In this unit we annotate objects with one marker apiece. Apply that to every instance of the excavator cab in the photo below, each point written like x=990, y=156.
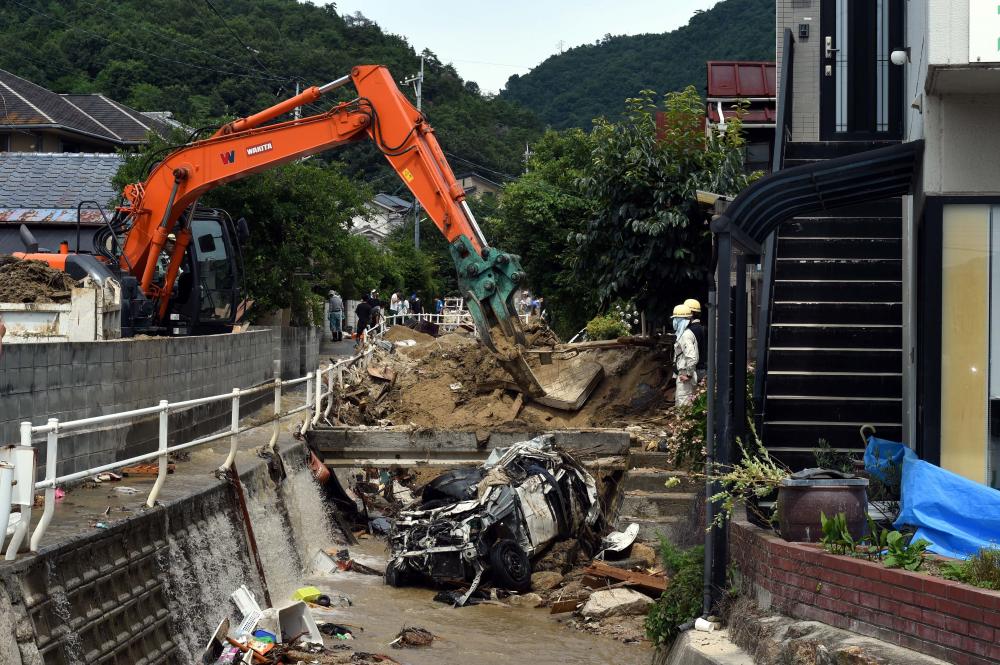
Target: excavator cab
x=207, y=294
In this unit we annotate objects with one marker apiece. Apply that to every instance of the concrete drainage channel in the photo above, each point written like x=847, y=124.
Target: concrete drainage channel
x=151, y=588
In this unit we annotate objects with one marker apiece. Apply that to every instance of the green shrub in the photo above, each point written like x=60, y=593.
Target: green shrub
x=682, y=601
x=606, y=327
x=982, y=569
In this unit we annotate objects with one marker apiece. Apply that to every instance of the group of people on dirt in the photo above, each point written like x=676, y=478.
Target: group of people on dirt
x=690, y=350
x=369, y=311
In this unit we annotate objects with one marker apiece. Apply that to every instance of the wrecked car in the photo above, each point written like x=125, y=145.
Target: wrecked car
x=494, y=519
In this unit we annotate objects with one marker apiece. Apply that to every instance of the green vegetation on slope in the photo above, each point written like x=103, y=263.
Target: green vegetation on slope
x=182, y=56
x=572, y=88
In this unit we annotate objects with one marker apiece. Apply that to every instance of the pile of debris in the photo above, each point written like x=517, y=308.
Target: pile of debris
x=290, y=633
x=33, y=282
x=452, y=382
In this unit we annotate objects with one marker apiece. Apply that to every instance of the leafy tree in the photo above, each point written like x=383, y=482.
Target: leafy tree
x=646, y=239
x=538, y=215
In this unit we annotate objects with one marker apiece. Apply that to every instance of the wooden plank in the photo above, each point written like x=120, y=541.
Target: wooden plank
x=563, y=606
x=568, y=383
x=648, y=583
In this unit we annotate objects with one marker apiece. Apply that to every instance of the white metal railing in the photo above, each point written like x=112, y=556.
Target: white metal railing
x=17, y=469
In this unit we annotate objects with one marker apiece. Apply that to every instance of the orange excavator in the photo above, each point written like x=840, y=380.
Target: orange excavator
x=179, y=264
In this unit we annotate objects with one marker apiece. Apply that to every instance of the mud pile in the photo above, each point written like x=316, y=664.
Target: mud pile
x=452, y=382
x=33, y=282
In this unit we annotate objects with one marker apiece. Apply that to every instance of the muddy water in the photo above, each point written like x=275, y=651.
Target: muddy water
x=479, y=635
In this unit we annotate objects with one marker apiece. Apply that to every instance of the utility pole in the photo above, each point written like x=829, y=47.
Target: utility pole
x=418, y=87
x=298, y=109
x=527, y=156
x=561, y=45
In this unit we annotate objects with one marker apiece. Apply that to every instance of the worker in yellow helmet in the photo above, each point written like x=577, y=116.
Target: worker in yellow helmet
x=700, y=334
x=685, y=355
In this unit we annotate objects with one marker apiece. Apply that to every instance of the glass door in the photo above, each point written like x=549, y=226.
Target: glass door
x=860, y=90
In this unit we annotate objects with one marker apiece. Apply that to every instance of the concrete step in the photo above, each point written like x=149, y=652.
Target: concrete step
x=652, y=480
x=680, y=531
x=654, y=505
x=642, y=459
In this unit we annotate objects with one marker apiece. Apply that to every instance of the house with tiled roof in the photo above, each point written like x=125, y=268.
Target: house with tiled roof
x=383, y=214
x=35, y=119
x=44, y=190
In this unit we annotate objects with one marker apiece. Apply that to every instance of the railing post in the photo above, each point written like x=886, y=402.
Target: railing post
x=51, y=458
x=22, y=526
x=234, y=430
x=309, y=388
x=319, y=394
x=277, y=405
x=6, y=492
x=161, y=473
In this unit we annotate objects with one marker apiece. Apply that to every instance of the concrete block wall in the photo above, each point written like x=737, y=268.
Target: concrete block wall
x=77, y=380
x=805, y=64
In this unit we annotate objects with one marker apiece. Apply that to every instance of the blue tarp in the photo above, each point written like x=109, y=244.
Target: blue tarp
x=956, y=515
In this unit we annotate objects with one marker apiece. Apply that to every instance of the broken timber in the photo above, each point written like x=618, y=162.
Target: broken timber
x=652, y=584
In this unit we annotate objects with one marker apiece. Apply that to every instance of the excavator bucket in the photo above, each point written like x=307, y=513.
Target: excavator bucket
x=489, y=281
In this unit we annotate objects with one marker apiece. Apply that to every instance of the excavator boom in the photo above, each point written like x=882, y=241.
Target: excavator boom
x=164, y=203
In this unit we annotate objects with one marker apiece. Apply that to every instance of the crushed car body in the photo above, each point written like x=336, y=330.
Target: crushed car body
x=494, y=519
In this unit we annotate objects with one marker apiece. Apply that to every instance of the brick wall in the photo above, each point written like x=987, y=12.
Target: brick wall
x=805, y=64
x=77, y=380
x=944, y=619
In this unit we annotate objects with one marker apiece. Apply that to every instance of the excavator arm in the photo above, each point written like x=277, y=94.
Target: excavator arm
x=155, y=208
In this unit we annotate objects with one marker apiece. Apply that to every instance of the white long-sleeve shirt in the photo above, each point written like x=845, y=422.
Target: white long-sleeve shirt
x=686, y=352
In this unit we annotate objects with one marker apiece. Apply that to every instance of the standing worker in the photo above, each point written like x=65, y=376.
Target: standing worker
x=685, y=356
x=362, y=311
x=336, y=305
x=700, y=334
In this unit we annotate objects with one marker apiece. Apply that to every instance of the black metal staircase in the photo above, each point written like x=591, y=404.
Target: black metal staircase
x=834, y=340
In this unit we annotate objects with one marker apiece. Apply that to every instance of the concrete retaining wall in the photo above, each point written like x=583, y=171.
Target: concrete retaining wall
x=84, y=379
x=151, y=588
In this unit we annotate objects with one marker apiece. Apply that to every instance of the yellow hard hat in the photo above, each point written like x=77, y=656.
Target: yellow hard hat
x=682, y=311
x=693, y=305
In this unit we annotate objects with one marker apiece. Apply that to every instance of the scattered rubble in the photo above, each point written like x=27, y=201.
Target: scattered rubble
x=448, y=382
x=33, y=282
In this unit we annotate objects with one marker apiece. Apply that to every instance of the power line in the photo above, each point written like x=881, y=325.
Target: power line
x=481, y=167
x=139, y=50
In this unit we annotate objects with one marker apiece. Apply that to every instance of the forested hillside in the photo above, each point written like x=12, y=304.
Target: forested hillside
x=572, y=88
x=207, y=59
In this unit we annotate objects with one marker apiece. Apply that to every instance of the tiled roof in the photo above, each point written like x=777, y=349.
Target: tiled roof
x=392, y=202
x=127, y=124
x=51, y=180
x=24, y=104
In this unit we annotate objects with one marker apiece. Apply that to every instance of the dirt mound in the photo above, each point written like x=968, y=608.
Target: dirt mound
x=33, y=282
x=402, y=333
x=452, y=382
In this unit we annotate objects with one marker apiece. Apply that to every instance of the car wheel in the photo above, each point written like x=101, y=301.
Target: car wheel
x=510, y=565
x=393, y=576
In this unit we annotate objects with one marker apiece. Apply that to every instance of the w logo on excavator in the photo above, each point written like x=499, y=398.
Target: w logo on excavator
x=228, y=157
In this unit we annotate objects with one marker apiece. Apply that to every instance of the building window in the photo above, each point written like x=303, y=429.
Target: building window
x=4, y=142
x=970, y=342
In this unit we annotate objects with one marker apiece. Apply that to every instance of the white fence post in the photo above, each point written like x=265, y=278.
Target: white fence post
x=309, y=388
x=234, y=431
x=319, y=394
x=161, y=473
x=6, y=491
x=22, y=526
x=51, y=458
x=277, y=405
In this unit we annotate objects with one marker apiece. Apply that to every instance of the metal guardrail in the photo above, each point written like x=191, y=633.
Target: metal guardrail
x=17, y=485
x=17, y=473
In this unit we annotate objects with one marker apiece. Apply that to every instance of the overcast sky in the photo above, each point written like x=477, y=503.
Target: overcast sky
x=490, y=41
